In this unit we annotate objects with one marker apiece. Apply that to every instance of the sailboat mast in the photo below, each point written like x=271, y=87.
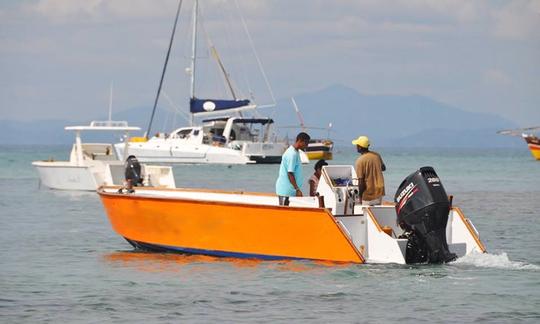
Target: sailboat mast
x=194, y=51
x=302, y=126
x=164, y=70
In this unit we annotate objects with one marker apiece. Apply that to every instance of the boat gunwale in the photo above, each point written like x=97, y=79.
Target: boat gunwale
x=470, y=229
x=57, y=164
x=238, y=192
x=101, y=192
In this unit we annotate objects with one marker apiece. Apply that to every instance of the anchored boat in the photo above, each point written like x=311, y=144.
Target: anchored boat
x=534, y=144
x=220, y=139
x=318, y=148
x=530, y=137
x=92, y=165
x=421, y=227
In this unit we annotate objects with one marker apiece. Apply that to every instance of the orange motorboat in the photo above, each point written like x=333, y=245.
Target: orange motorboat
x=253, y=225
x=232, y=224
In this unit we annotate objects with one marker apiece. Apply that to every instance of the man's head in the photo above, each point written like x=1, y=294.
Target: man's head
x=318, y=167
x=302, y=141
x=362, y=144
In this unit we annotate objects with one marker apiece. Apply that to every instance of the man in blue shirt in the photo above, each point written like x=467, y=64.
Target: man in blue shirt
x=290, y=170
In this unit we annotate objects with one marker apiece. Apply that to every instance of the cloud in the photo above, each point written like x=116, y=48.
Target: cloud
x=518, y=20
x=389, y=46
x=35, y=45
x=497, y=77
x=62, y=11
x=515, y=19
x=58, y=10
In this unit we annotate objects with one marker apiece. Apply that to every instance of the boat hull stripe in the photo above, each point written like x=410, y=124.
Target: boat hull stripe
x=215, y=253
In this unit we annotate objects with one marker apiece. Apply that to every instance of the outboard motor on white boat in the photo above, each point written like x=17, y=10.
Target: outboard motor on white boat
x=133, y=171
x=422, y=208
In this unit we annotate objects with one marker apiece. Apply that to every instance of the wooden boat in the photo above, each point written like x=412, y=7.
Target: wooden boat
x=534, y=144
x=320, y=149
x=528, y=134
x=253, y=225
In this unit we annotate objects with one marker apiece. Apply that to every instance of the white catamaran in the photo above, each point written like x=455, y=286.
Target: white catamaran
x=219, y=139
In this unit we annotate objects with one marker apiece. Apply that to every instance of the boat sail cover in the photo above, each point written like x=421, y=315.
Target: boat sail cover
x=213, y=105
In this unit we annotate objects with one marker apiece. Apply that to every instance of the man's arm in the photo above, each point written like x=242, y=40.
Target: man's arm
x=361, y=187
x=383, y=167
x=292, y=180
x=312, y=188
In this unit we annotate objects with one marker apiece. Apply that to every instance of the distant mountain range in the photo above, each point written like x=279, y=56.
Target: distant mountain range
x=389, y=120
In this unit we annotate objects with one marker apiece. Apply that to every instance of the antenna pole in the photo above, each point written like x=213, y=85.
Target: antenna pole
x=193, y=52
x=110, y=102
x=164, y=69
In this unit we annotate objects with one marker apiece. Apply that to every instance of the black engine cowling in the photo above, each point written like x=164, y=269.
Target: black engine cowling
x=133, y=171
x=422, y=208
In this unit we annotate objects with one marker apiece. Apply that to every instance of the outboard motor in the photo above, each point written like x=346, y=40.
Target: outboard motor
x=133, y=172
x=422, y=208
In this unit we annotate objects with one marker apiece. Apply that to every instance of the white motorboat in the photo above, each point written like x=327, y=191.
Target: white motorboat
x=92, y=165
x=219, y=140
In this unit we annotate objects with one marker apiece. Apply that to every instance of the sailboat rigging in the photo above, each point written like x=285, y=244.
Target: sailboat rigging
x=164, y=70
x=222, y=139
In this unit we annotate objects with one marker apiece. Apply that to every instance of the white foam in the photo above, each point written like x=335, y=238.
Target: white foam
x=499, y=261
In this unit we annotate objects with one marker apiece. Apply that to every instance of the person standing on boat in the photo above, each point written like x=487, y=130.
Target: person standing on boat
x=290, y=170
x=369, y=169
x=314, y=180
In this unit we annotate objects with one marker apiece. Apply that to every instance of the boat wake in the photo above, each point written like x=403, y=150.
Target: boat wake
x=498, y=261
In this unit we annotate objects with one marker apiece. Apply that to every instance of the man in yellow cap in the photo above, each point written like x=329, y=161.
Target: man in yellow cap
x=369, y=169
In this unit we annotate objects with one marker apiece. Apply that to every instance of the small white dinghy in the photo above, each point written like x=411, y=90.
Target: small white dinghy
x=92, y=165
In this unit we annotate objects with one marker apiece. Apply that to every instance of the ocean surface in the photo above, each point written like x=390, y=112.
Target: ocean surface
x=61, y=262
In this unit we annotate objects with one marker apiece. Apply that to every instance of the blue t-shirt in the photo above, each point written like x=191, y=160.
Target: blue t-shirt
x=290, y=162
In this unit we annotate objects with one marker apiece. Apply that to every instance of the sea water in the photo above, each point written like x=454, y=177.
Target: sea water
x=61, y=261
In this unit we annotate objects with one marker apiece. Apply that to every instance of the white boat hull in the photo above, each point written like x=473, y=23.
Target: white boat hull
x=163, y=151
x=92, y=165
x=62, y=176
x=67, y=176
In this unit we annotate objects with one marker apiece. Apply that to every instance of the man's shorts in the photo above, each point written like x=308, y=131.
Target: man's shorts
x=373, y=202
x=283, y=200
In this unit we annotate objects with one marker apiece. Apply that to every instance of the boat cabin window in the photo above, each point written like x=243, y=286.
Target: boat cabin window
x=216, y=131
x=184, y=133
x=211, y=133
x=195, y=132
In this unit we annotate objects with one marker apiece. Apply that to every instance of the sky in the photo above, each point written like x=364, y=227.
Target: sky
x=59, y=57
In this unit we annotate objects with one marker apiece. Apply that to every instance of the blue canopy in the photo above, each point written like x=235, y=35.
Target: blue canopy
x=263, y=121
x=211, y=105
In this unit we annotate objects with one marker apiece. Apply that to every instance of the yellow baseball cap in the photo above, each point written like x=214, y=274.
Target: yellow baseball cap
x=362, y=141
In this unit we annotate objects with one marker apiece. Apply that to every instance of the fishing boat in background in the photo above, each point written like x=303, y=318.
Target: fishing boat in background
x=320, y=149
x=226, y=136
x=92, y=165
x=317, y=148
x=530, y=137
x=422, y=227
x=534, y=144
